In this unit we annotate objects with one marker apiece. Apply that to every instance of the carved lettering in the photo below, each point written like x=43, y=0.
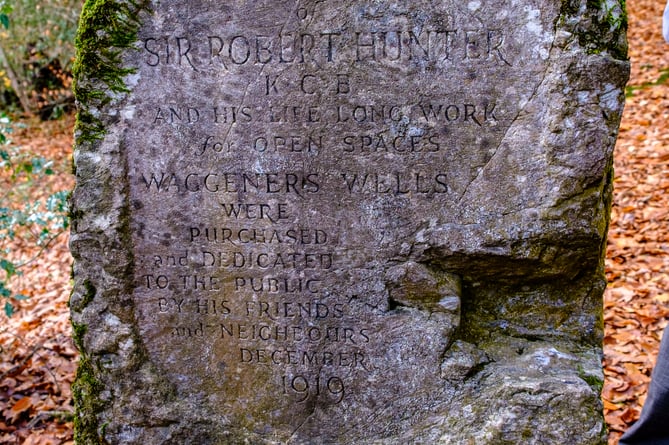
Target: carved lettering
x=369, y=113
x=251, y=235
x=288, y=144
x=305, y=386
x=277, y=187
x=232, y=115
x=170, y=305
x=170, y=260
x=201, y=306
x=377, y=143
x=405, y=45
x=272, y=212
x=155, y=281
x=196, y=331
x=276, y=310
x=197, y=282
x=270, y=183
x=283, y=285
x=266, y=261
x=397, y=183
x=294, y=357
x=477, y=114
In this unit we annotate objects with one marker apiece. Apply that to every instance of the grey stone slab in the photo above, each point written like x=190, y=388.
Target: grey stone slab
x=343, y=222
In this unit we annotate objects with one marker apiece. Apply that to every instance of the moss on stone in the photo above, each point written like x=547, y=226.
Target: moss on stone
x=86, y=298
x=78, y=332
x=89, y=294
x=593, y=381
x=86, y=391
x=603, y=26
x=106, y=29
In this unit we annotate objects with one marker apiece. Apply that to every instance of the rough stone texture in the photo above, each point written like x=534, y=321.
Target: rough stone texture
x=343, y=222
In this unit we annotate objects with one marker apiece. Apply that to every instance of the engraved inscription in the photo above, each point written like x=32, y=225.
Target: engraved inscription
x=224, y=52
x=292, y=167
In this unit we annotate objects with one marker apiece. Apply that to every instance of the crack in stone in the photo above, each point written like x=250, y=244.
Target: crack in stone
x=260, y=73
x=533, y=95
x=294, y=433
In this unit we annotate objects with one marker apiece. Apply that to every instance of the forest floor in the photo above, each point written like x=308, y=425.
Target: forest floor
x=636, y=303
x=38, y=359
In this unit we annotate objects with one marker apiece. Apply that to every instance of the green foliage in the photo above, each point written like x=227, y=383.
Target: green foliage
x=22, y=220
x=5, y=9
x=609, y=28
x=664, y=77
x=38, y=45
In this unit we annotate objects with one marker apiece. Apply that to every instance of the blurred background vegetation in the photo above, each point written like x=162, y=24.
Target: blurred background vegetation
x=36, y=55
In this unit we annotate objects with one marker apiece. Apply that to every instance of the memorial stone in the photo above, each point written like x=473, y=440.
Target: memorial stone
x=353, y=222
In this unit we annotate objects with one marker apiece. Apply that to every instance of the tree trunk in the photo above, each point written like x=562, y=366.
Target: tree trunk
x=25, y=104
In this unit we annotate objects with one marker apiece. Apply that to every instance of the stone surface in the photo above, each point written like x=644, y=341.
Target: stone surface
x=343, y=222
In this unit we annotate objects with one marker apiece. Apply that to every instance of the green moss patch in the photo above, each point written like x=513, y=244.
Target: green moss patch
x=86, y=395
x=86, y=391
x=603, y=26
x=106, y=29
